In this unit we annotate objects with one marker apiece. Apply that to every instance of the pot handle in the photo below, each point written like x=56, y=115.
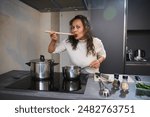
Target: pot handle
x=42, y=58
x=29, y=63
x=52, y=62
x=64, y=72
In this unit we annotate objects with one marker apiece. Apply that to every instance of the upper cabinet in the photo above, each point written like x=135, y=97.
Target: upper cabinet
x=138, y=15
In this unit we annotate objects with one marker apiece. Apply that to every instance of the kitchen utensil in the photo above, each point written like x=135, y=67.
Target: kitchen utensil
x=60, y=33
x=139, y=55
x=41, y=68
x=129, y=55
x=71, y=72
x=103, y=89
x=84, y=67
x=103, y=77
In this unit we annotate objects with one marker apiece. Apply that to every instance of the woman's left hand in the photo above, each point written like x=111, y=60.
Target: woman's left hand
x=95, y=64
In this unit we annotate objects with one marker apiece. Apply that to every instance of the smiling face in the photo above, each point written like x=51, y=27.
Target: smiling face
x=77, y=29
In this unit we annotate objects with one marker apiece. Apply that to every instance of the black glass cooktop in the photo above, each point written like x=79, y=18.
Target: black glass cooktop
x=55, y=84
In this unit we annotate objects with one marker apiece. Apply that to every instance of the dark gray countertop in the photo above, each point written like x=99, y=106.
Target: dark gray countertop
x=91, y=91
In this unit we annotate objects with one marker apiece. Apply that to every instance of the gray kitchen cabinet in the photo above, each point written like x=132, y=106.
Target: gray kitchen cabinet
x=138, y=14
x=137, y=68
x=138, y=36
x=108, y=25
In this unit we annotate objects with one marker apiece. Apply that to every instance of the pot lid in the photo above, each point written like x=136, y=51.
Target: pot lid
x=41, y=59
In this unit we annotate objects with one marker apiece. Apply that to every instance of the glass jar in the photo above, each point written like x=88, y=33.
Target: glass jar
x=124, y=83
x=116, y=82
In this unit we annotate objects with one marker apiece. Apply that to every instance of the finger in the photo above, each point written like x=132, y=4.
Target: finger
x=51, y=34
x=92, y=65
x=95, y=65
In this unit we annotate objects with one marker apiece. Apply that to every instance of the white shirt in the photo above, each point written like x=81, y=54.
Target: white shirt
x=78, y=56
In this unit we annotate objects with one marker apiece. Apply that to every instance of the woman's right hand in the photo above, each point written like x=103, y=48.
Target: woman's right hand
x=53, y=36
x=52, y=44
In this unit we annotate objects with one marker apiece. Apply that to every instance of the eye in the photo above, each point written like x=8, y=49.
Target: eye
x=77, y=27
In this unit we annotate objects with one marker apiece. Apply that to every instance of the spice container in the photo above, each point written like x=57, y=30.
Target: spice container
x=124, y=83
x=116, y=82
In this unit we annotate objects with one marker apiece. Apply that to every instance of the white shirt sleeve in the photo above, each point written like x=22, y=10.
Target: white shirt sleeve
x=60, y=47
x=100, y=50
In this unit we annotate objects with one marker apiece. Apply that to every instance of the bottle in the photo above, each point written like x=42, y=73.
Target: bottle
x=116, y=82
x=124, y=83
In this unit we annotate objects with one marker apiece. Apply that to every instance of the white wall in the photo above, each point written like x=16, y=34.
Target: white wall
x=44, y=39
x=55, y=25
x=22, y=36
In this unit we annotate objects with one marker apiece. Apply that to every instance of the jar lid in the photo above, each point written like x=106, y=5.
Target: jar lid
x=125, y=77
x=116, y=76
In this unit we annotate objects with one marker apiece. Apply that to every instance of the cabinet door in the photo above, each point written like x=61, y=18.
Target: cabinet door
x=138, y=69
x=107, y=24
x=138, y=35
x=138, y=14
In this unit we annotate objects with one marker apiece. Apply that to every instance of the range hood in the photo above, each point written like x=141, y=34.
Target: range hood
x=56, y=5
x=64, y=5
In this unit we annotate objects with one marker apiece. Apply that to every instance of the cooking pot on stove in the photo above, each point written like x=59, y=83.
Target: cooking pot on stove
x=41, y=68
x=71, y=72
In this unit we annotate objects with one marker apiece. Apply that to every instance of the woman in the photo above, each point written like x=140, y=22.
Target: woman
x=83, y=49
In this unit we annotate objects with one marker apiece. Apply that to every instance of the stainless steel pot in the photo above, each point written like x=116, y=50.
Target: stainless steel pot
x=41, y=68
x=71, y=72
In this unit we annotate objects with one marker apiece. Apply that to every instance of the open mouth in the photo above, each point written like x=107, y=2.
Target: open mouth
x=75, y=35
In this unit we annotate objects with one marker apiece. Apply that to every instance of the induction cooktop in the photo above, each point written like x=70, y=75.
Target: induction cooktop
x=54, y=84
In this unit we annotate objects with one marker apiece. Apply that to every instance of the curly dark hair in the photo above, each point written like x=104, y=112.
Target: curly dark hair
x=88, y=35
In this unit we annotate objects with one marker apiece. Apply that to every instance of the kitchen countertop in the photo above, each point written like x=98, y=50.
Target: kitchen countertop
x=91, y=91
